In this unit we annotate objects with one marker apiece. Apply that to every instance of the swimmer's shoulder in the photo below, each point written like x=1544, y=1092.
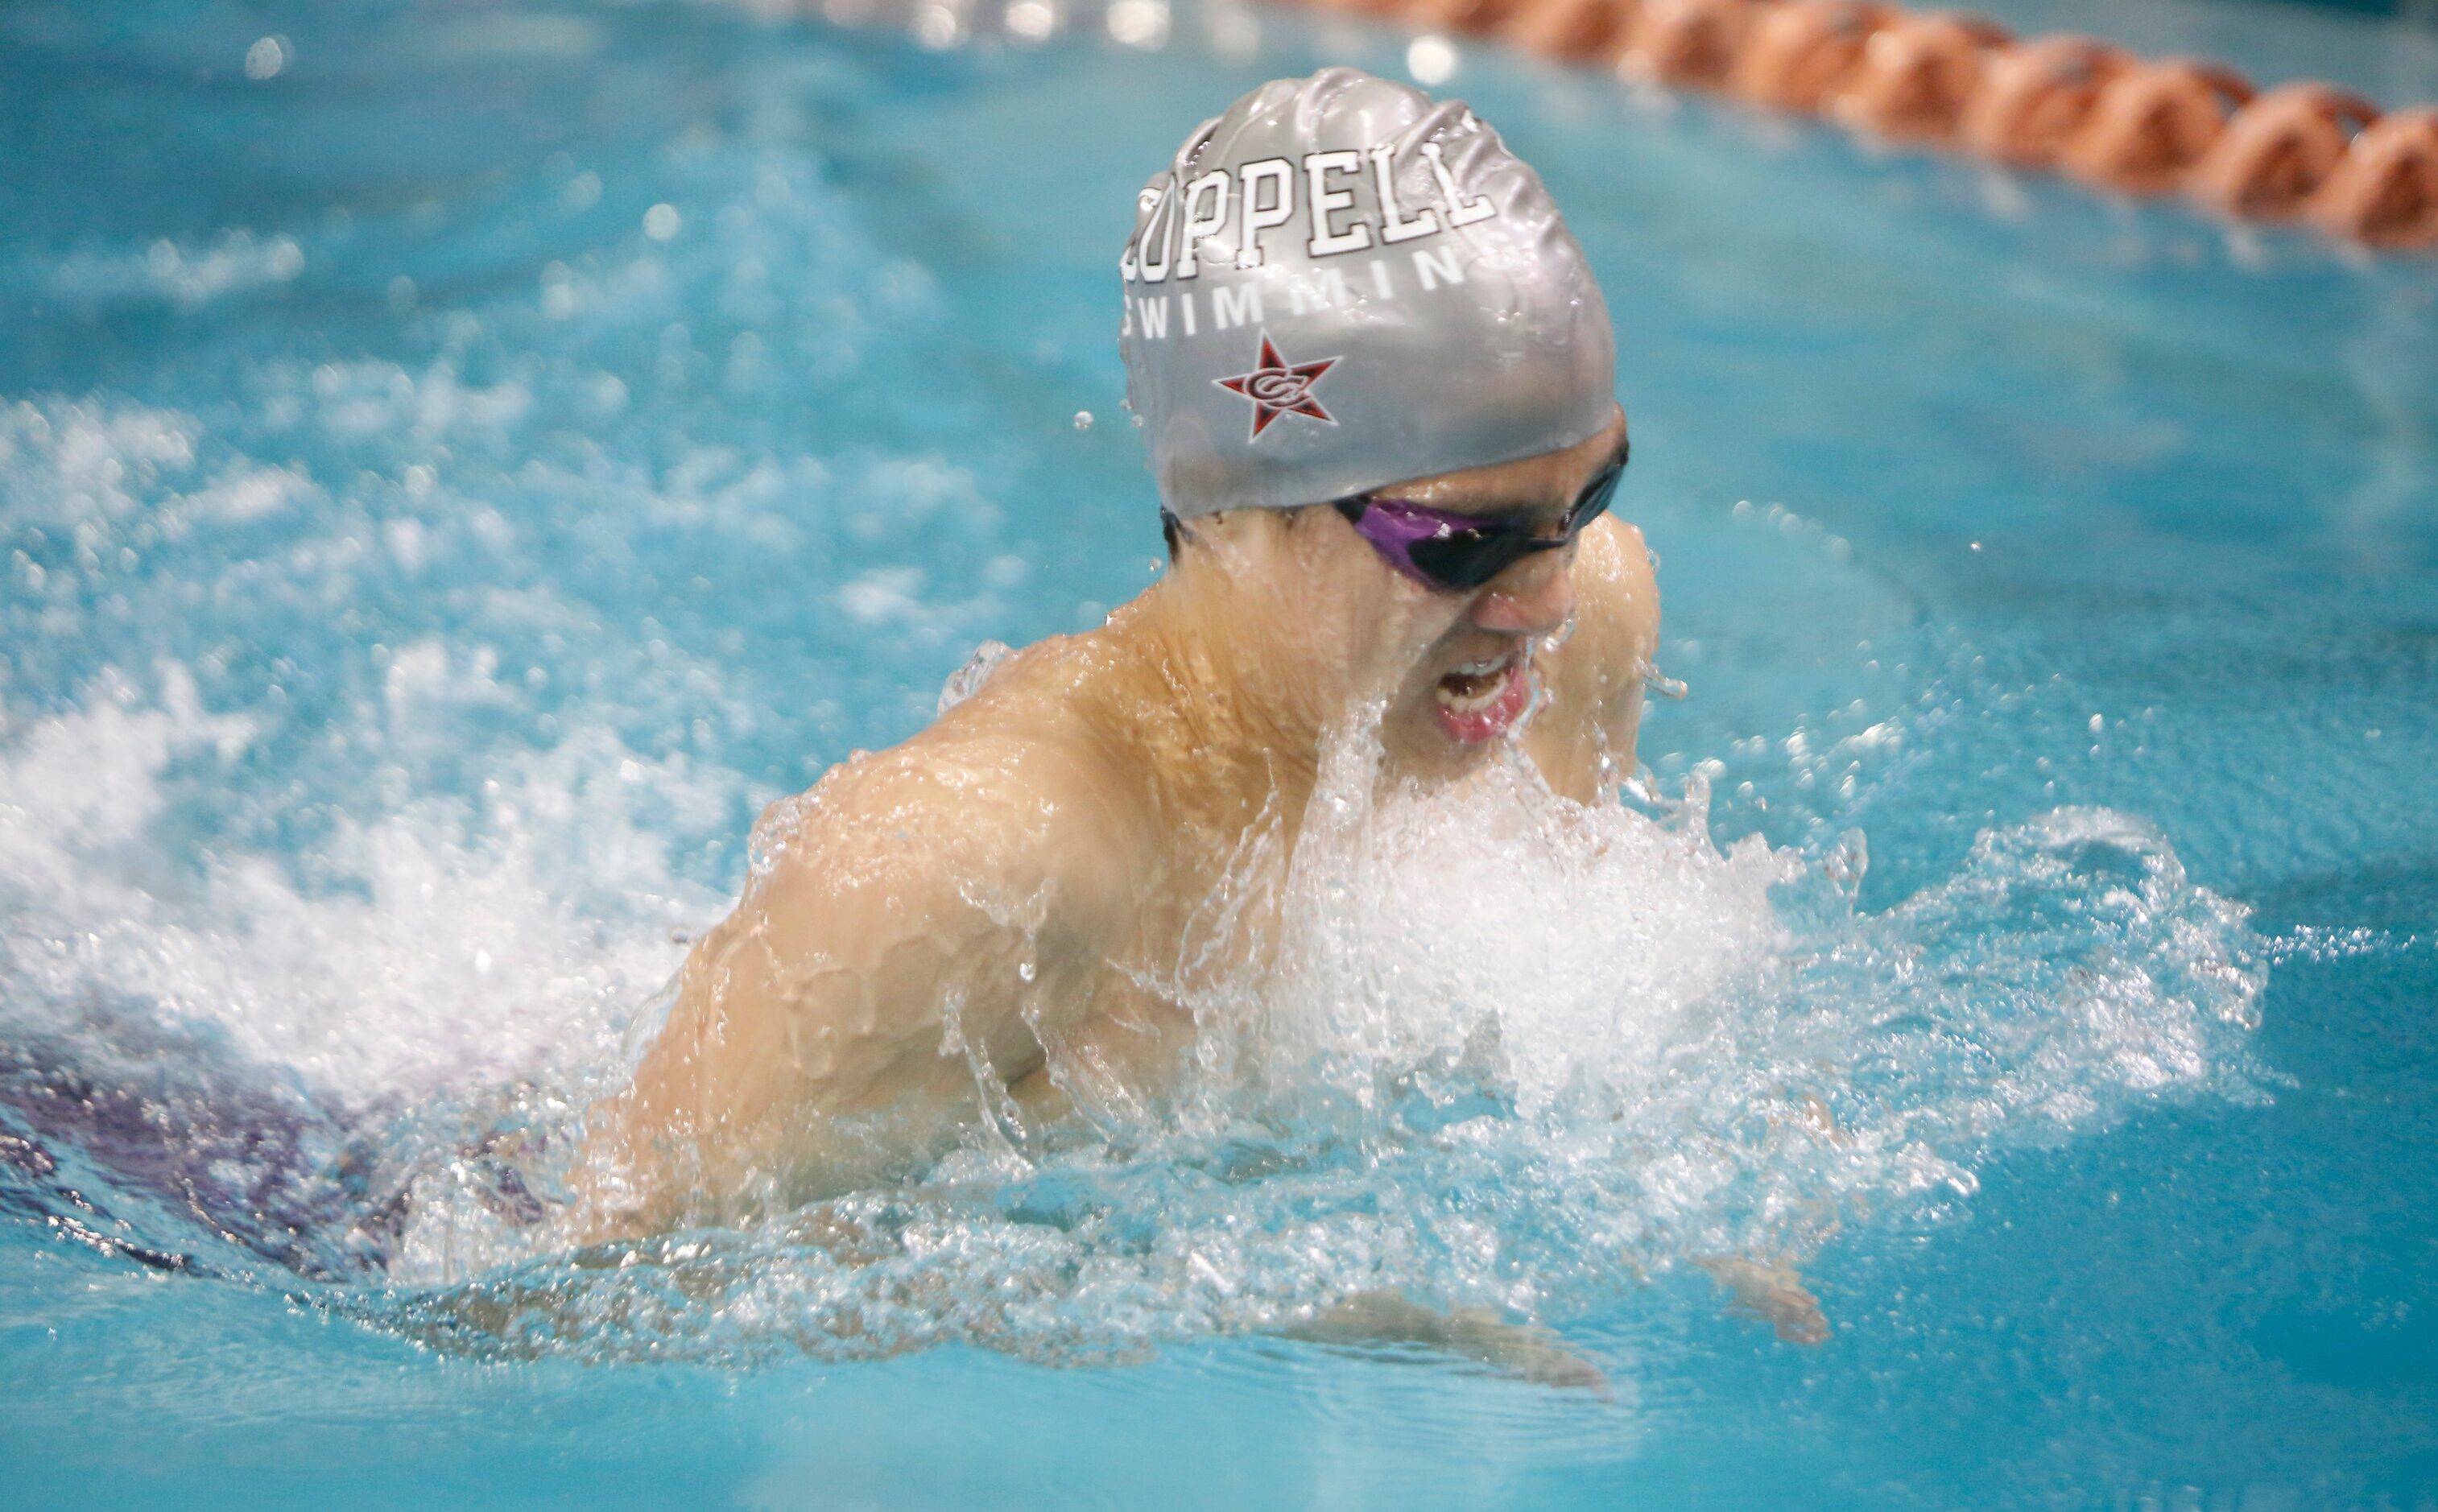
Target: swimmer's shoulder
x=1616, y=617
x=1615, y=576
x=1006, y=790
x=1586, y=735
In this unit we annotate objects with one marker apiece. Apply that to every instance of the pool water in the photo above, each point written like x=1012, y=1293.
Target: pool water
x=453, y=480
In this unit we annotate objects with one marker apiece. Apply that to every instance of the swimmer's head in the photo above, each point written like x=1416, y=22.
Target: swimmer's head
x=1315, y=622
x=1338, y=284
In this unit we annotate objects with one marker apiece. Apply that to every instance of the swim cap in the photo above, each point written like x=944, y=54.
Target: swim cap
x=1341, y=284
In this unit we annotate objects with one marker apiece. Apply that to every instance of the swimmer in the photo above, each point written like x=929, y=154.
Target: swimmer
x=1376, y=379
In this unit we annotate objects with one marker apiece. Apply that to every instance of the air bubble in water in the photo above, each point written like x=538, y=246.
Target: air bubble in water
x=266, y=57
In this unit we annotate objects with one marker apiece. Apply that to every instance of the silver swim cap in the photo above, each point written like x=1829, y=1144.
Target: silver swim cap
x=1340, y=284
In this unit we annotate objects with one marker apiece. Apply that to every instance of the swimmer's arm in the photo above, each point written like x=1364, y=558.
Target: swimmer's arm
x=831, y=1030
x=1584, y=747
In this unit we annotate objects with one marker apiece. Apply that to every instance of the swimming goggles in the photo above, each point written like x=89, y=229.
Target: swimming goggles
x=1457, y=554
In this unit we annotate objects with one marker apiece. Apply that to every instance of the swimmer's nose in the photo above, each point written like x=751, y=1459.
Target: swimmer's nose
x=1535, y=596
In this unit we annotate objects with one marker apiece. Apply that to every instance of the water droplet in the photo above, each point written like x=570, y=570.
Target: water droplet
x=1030, y=19
x=1138, y=24
x=1082, y=419
x=581, y=193
x=266, y=57
x=939, y=26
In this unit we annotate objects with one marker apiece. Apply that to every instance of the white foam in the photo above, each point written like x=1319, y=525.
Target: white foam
x=444, y=944
x=187, y=273
x=66, y=462
x=1558, y=947
x=1515, y=1050
x=1518, y=1054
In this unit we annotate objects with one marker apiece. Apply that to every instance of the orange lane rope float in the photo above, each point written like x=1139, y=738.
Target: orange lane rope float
x=1952, y=79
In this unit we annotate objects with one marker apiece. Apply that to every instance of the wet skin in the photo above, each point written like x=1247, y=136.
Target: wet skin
x=1003, y=911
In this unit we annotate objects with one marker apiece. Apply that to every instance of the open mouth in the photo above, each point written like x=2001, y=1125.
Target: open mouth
x=1481, y=700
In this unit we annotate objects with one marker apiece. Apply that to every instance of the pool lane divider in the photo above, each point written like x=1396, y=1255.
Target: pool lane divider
x=1943, y=80
x=1952, y=80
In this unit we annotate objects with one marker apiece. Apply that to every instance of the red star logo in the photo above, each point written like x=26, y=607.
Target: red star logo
x=1277, y=388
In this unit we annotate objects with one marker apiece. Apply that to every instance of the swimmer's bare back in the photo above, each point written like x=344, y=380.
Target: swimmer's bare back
x=935, y=923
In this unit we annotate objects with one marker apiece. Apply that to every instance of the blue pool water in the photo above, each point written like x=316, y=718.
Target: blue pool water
x=450, y=483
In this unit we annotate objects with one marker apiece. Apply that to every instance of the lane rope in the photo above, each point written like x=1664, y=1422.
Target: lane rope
x=1953, y=80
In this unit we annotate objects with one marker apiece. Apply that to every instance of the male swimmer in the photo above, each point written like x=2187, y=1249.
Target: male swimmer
x=1376, y=378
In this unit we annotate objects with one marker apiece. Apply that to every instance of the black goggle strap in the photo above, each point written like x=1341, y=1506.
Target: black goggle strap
x=1594, y=500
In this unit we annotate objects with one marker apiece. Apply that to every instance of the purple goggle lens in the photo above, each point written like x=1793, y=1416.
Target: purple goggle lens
x=1458, y=554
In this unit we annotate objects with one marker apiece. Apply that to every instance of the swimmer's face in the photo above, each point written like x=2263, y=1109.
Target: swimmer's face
x=1454, y=669
x=1468, y=678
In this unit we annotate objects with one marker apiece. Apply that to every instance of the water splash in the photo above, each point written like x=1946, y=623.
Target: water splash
x=1516, y=1054
x=375, y=715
